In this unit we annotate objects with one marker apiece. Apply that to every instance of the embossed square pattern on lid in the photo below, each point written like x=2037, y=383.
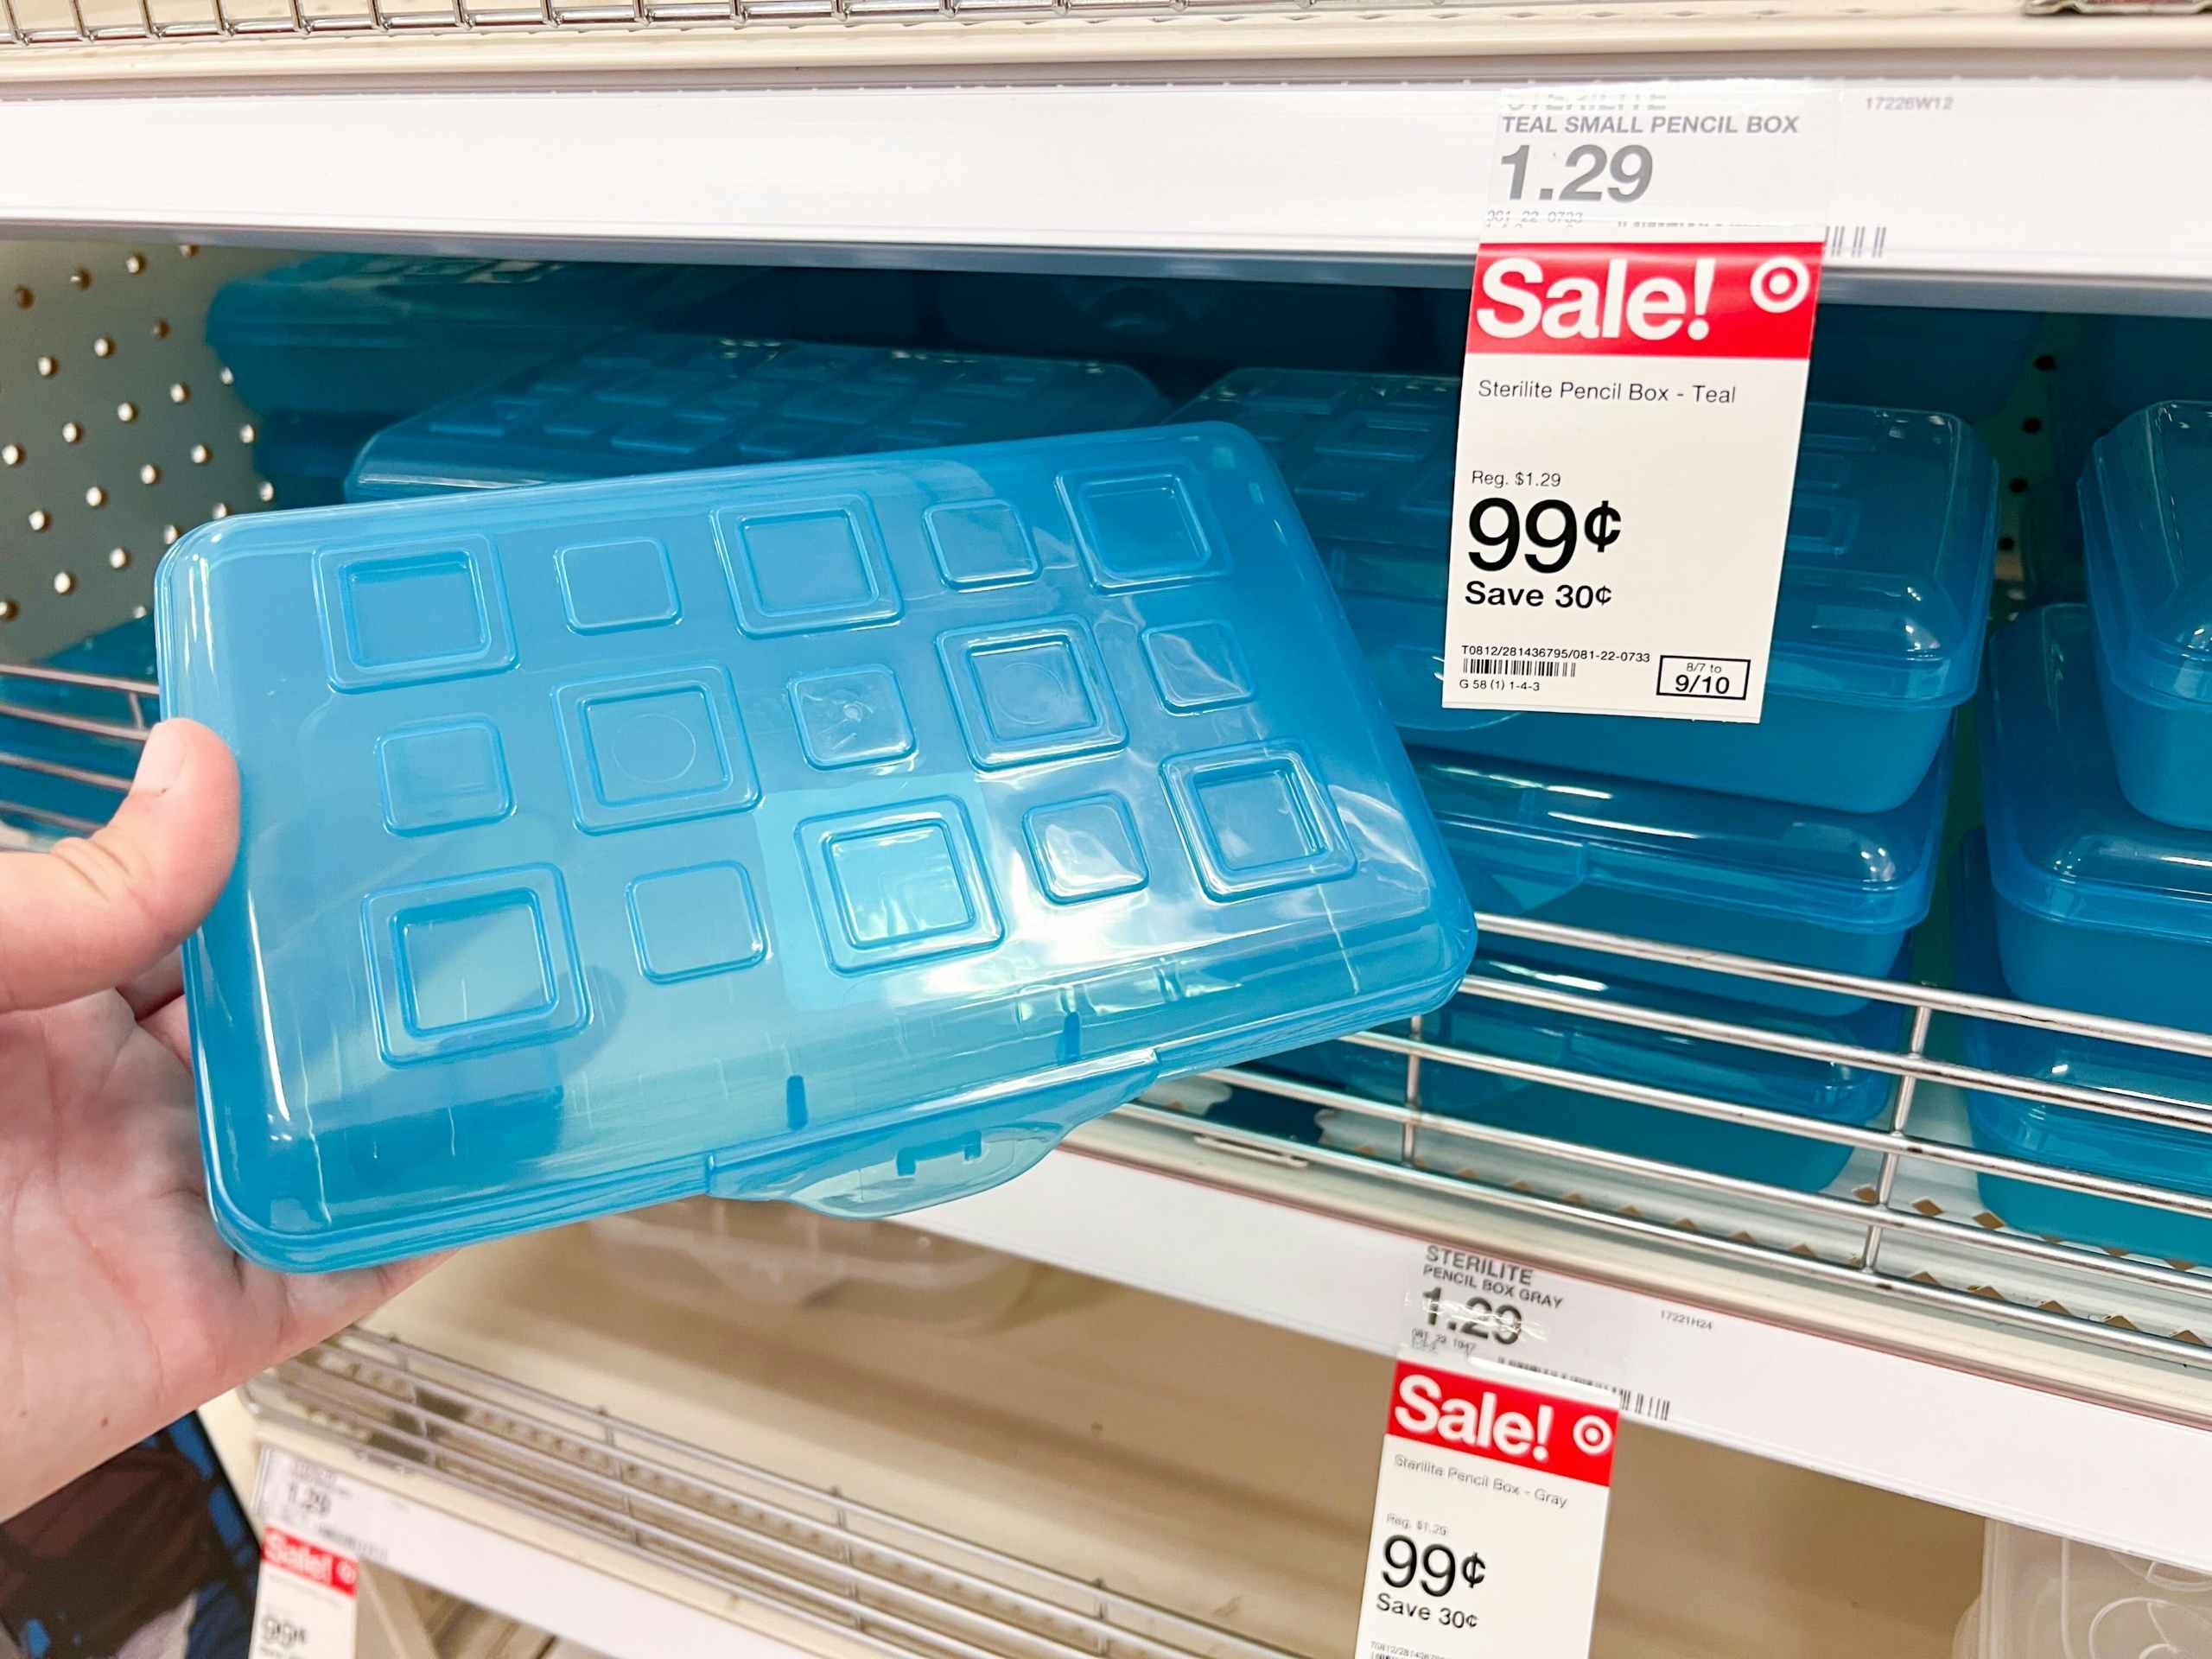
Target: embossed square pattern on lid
x=723, y=832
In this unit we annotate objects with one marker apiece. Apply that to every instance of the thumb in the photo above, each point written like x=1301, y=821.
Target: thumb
x=91, y=914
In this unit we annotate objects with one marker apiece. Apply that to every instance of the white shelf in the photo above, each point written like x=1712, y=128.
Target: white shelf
x=2012, y=1422
x=1351, y=169
x=479, y=1438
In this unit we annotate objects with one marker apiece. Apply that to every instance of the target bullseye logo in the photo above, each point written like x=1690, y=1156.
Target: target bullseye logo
x=1592, y=1435
x=1780, y=284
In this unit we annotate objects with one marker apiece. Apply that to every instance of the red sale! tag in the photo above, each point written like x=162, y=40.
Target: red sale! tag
x=305, y=1607
x=1646, y=299
x=302, y=1559
x=1504, y=1422
x=1489, y=1516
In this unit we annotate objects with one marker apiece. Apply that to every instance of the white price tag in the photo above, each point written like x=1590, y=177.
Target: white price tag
x=1636, y=351
x=1489, y=1516
x=305, y=1608
x=1470, y=1308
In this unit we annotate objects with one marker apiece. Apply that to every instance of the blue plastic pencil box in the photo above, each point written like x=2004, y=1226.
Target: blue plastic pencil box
x=1164, y=319
x=2146, y=511
x=2099, y=907
x=2098, y=1143
x=660, y=402
x=359, y=335
x=1879, y=624
x=842, y=831
x=1815, y=1090
x=1823, y=889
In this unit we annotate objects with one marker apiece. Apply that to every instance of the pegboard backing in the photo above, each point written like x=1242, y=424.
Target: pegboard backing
x=118, y=429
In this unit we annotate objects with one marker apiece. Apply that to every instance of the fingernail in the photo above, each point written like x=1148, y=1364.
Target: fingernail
x=161, y=763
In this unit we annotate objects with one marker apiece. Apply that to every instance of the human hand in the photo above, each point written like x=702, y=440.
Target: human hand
x=120, y=1308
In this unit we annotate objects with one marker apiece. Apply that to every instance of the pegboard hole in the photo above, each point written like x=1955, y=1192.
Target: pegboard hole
x=2046, y=363
x=39, y=519
x=6, y=610
x=179, y=393
x=11, y=454
x=246, y=432
x=226, y=375
x=95, y=497
x=199, y=455
x=169, y=533
x=150, y=473
x=2006, y=544
x=103, y=347
x=127, y=413
x=119, y=558
x=139, y=612
x=64, y=582
x=161, y=328
x=134, y=265
x=267, y=492
x=2031, y=424
x=71, y=432
x=81, y=278
x=220, y=509
x=47, y=368
x=188, y=249
x=24, y=298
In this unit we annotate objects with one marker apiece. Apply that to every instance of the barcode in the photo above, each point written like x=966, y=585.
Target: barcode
x=1856, y=241
x=1651, y=1407
x=1535, y=668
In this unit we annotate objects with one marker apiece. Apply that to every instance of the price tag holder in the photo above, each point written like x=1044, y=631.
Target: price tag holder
x=305, y=1607
x=1489, y=1516
x=317, y=1526
x=1635, y=382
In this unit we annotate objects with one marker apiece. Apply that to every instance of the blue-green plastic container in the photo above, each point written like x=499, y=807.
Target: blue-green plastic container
x=2147, y=521
x=661, y=403
x=843, y=830
x=378, y=334
x=2099, y=906
x=2094, y=1142
x=1879, y=625
x=1750, y=1077
x=1791, y=884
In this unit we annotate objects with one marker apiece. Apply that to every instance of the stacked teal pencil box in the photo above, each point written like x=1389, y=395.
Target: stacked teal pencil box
x=2097, y=907
x=1878, y=633
x=1810, y=885
x=1181, y=330
x=2095, y=740
x=63, y=768
x=2146, y=513
x=657, y=403
x=1815, y=1090
x=2156, y=1154
x=330, y=349
x=1812, y=838
x=839, y=831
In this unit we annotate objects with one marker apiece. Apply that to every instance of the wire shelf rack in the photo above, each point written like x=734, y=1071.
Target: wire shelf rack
x=91, y=705
x=1905, y=1216
x=889, y=1584
x=1905, y=1219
